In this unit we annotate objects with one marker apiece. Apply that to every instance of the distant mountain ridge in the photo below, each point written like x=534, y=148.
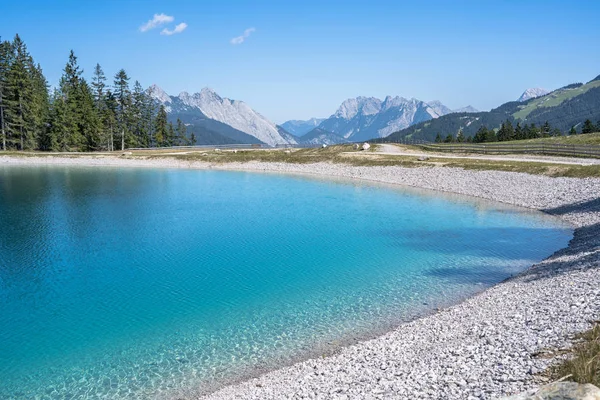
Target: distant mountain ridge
x=562, y=108
x=301, y=127
x=234, y=119
x=365, y=118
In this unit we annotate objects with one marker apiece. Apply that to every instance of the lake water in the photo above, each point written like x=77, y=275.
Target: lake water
x=144, y=283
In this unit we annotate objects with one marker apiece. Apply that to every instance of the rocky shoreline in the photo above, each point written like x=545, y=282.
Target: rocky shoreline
x=483, y=348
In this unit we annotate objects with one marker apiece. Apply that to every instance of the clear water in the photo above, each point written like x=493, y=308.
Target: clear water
x=146, y=283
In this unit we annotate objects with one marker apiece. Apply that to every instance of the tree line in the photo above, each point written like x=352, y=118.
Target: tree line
x=508, y=132
x=77, y=115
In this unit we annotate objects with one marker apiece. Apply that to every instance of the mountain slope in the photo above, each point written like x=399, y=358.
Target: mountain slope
x=299, y=128
x=320, y=136
x=208, y=110
x=562, y=108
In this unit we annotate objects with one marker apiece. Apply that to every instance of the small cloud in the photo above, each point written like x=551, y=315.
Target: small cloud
x=157, y=20
x=178, y=29
x=243, y=37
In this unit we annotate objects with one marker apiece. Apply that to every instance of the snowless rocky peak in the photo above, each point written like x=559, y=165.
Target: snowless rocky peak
x=437, y=109
x=532, y=93
x=234, y=113
x=360, y=105
x=391, y=102
x=158, y=94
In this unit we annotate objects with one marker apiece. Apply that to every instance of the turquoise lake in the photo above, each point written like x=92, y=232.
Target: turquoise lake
x=148, y=283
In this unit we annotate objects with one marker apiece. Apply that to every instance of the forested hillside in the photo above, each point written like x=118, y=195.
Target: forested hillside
x=77, y=115
x=565, y=110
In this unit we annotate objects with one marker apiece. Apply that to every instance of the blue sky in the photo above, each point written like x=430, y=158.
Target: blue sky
x=301, y=59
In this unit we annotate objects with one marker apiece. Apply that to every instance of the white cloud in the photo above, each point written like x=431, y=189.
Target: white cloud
x=178, y=29
x=157, y=20
x=243, y=37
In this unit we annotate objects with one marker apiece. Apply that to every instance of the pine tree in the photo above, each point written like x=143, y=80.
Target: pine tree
x=89, y=123
x=123, y=97
x=139, y=115
x=160, y=127
x=19, y=95
x=56, y=138
x=5, y=57
x=438, y=138
x=572, y=131
x=148, y=115
x=519, y=134
x=449, y=139
x=481, y=135
x=110, y=119
x=170, y=135
x=588, y=127
x=71, y=93
x=460, y=137
x=193, y=139
x=502, y=136
x=546, y=130
x=99, y=91
x=98, y=85
x=181, y=136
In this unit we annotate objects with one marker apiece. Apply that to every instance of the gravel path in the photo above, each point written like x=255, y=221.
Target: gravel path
x=394, y=150
x=482, y=348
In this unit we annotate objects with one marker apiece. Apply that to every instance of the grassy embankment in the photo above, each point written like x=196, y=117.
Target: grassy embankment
x=583, y=364
x=345, y=154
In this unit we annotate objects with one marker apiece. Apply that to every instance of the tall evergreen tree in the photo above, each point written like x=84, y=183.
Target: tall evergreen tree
x=5, y=57
x=19, y=97
x=109, y=117
x=546, y=130
x=588, y=127
x=72, y=96
x=519, y=135
x=572, y=131
x=170, y=135
x=181, y=135
x=89, y=123
x=460, y=137
x=160, y=127
x=481, y=135
x=123, y=97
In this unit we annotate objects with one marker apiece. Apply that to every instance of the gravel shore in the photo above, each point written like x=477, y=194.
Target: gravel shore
x=486, y=347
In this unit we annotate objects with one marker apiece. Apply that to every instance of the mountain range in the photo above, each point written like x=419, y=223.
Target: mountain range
x=562, y=108
x=299, y=127
x=222, y=120
x=364, y=118
x=219, y=120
